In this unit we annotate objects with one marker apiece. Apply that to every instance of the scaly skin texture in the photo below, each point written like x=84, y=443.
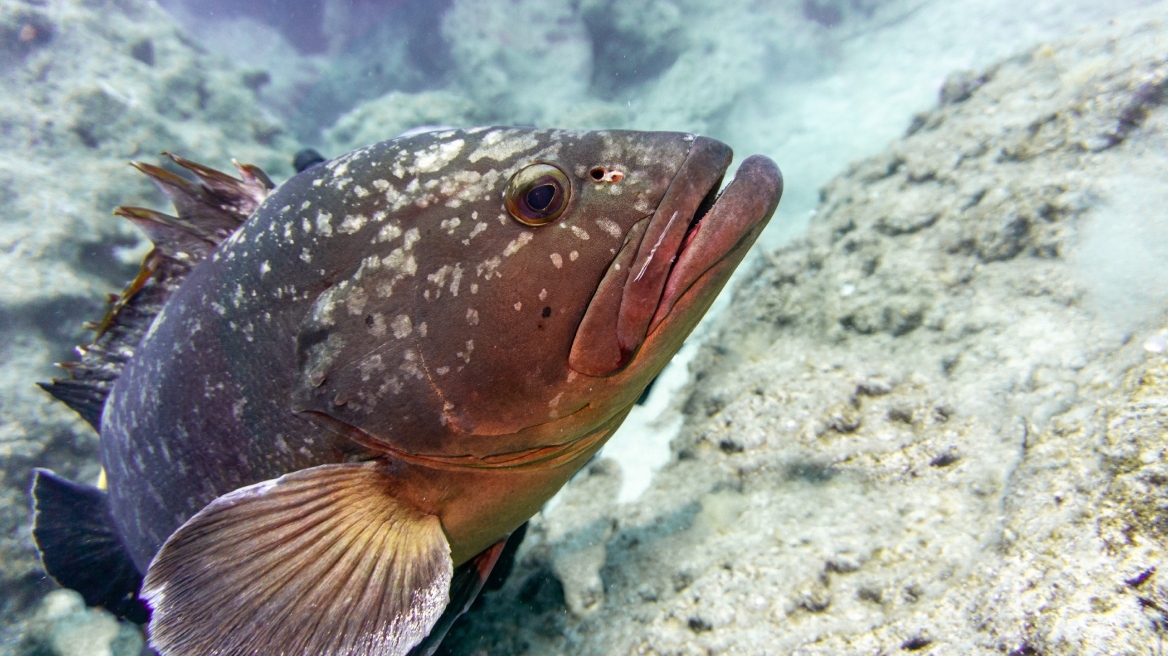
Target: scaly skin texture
x=386, y=306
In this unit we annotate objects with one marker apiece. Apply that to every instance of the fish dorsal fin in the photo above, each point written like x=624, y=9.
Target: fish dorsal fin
x=209, y=211
x=323, y=562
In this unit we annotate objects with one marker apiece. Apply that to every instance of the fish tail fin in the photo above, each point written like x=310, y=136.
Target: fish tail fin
x=324, y=561
x=74, y=533
x=209, y=211
x=486, y=571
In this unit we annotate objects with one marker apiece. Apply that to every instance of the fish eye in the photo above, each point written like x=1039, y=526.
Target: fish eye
x=538, y=194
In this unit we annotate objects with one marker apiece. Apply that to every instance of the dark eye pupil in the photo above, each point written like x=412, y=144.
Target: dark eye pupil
x=539, y=198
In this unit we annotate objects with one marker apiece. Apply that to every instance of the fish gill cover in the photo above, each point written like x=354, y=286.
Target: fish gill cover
x=91, y=84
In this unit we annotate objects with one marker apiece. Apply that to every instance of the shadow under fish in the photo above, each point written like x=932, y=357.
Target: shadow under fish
x=325, y=406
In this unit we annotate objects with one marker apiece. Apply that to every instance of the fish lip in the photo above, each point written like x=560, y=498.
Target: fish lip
x=726, y=228
x=693, y=189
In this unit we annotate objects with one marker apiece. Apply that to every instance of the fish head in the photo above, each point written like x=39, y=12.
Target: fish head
x=528, y=286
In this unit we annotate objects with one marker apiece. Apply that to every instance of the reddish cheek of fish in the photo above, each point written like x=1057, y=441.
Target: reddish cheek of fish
x=478, y=505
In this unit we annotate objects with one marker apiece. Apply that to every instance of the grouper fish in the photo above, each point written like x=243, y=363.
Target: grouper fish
x=325, y=406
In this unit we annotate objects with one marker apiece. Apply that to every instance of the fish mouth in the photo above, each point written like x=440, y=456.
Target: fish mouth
x=693, y=230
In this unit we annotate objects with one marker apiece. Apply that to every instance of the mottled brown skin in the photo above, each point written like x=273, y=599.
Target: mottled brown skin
x=354, y=318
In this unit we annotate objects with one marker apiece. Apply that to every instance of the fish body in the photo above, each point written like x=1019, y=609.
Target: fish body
x=393, y=363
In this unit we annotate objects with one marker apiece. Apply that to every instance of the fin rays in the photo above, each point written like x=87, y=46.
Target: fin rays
x=209, y=211
x=323, y=561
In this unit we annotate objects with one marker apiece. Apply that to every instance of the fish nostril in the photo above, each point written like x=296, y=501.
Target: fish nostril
x=598, y=173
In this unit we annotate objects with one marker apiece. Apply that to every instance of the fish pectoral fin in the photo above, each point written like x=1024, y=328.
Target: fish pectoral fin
x=471, y=578
x=323, y=561
x=79, y=548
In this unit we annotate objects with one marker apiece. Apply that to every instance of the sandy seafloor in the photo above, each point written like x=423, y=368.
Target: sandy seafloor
x=933, y=421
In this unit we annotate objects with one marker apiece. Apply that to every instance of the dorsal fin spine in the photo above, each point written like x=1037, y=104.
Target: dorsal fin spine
x=209, y=211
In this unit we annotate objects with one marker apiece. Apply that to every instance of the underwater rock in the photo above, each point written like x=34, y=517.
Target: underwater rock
x=926, y=425
x=63, y=626
x=82, y=95
x=393, y=114
x=520, y=60
x=578, y=532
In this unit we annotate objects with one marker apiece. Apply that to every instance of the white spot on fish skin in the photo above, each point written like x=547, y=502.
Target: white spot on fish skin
x=411, y=238
x=377, y=329
x=474, y=288
x=518, y=306
x=305, y=255
x=616, y=267
x=422, y=329
x=438, y=278
x=579, y=232
x=456, y=279
x=237, y=409
x=355, y=301
x=360, y=191
x=370, y=366
x=609, y=227
x=410, y=366
x=353, y=223
x=265, y=267
x=475, y=231
x=402, y=326
x=472, y=316
x=306, y=226
x=306, y=204
x=571, y=375
x=555, y=400
x=322, y=224
x=543, y=294
x=517, y=243
x=450, y=225
x=442, y=371
x=437, y=157
x=318, y=182
x=503, y=144
x=488, y=267
x=388, y=232
x=557, y=260
x=574, y=255
x=381, y=185
x=395, y=199
x=465, y=355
